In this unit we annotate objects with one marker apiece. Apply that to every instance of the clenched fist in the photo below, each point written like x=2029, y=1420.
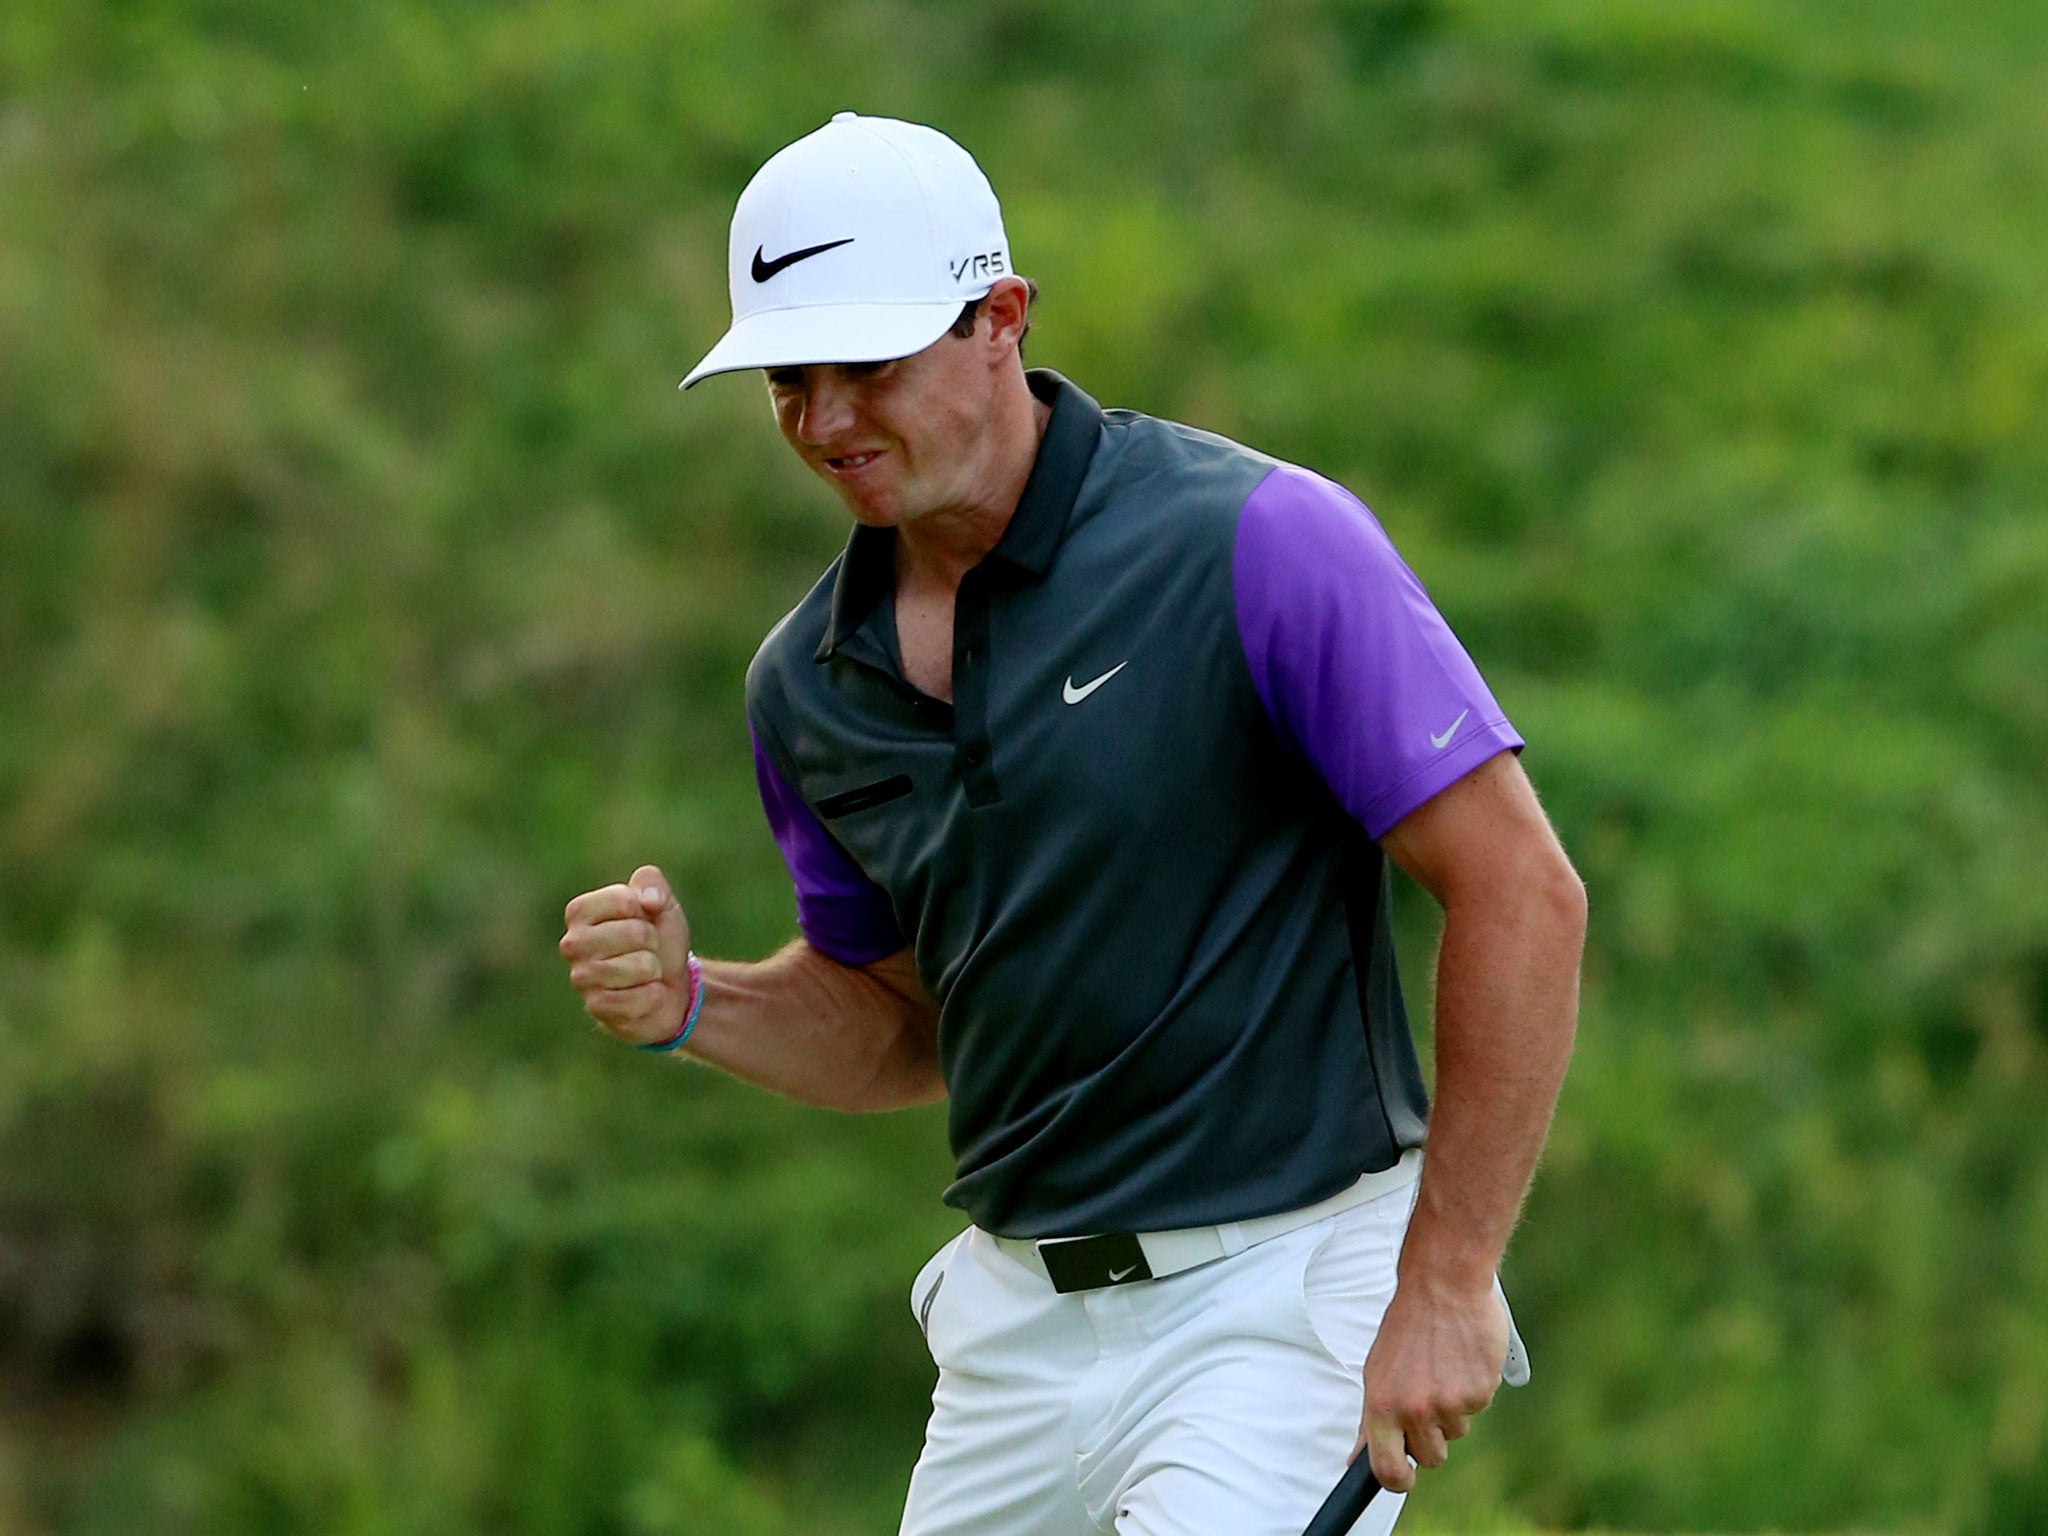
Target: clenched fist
x=628, y=948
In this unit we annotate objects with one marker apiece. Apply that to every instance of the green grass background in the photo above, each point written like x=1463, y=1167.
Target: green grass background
x=366, y=590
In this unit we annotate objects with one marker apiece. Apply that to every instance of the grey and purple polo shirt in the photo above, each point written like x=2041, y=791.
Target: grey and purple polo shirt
x=1135, y=858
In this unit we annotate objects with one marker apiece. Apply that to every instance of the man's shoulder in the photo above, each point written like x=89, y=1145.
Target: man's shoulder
x=1159, y=445
x=792, y=643
x=1172, y=469
x=1210, y=469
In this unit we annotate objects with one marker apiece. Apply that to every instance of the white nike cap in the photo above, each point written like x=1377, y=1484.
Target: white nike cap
x=858, y=243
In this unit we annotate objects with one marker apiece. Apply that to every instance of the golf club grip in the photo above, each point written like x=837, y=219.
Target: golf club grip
x=1347, y=1500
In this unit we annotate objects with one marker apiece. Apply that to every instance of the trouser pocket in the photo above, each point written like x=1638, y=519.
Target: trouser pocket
x=1350, y=1275
x=924, y=1290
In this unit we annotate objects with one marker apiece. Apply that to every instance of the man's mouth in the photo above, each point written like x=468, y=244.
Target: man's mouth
x=852, y=463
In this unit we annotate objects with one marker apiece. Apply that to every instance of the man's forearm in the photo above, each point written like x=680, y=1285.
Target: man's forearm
x=805, y=1026
x=1506, y=1008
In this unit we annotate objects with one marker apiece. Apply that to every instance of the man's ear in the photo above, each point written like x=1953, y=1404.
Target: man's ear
x=1007, y=309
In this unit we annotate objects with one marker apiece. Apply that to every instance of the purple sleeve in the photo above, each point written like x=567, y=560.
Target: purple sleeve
x=841, y=912
x=1357, y=670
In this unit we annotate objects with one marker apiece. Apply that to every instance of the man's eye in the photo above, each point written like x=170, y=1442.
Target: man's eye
x=864, y=370
x=784, y=378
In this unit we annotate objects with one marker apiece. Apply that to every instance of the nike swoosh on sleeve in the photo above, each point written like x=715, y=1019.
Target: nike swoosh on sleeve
x=1440, y=742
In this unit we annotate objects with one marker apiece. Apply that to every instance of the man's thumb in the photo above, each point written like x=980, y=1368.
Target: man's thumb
x=652, y=888
x=671, y=929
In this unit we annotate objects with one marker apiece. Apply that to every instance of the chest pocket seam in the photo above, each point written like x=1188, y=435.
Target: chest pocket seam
x=866, y=797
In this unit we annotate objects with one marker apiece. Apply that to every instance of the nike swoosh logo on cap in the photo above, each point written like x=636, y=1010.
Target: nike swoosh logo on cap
x=1116, y=1275
x=763, y=270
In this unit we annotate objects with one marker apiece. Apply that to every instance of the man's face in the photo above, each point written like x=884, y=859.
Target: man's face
x=897, y=440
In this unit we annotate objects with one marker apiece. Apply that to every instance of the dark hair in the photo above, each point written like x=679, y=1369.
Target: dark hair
x=964, y=326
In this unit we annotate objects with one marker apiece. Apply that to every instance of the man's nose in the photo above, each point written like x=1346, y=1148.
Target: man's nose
x=827, y=409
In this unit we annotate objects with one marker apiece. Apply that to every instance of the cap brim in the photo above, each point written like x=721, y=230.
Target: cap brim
x=827, y=333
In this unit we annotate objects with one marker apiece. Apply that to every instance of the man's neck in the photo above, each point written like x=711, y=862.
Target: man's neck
x=940, y=548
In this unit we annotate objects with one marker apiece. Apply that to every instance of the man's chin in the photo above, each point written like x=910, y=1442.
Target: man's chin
x=873, y=506
x=872, y=513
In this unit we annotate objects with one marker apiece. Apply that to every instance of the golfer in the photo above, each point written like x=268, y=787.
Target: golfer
x=1088, y=758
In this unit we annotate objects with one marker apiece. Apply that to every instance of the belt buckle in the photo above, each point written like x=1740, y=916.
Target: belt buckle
x=1090, y=1263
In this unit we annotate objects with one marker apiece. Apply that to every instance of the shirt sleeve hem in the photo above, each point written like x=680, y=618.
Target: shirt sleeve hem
x=1438, y=774
x=838, y=926
x=850, y=952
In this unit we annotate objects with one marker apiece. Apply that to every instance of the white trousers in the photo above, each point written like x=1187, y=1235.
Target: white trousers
x=1221, y=1401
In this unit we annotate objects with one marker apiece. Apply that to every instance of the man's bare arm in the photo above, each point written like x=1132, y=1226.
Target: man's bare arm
x=805, y=1026
x=1506, y=1009
x=799, y=1023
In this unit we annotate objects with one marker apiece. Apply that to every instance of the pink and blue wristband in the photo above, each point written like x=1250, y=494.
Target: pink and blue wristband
x=689, y=1014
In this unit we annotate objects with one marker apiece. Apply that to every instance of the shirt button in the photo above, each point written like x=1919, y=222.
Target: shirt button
x=974, y=757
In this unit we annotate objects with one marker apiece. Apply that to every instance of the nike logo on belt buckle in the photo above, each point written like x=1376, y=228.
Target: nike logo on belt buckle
x=1090, y=1263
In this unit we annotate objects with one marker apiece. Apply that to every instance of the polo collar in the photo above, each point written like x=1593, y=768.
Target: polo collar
x=867, y=570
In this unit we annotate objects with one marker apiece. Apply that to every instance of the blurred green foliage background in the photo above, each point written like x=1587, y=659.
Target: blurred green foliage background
x=366, y=590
